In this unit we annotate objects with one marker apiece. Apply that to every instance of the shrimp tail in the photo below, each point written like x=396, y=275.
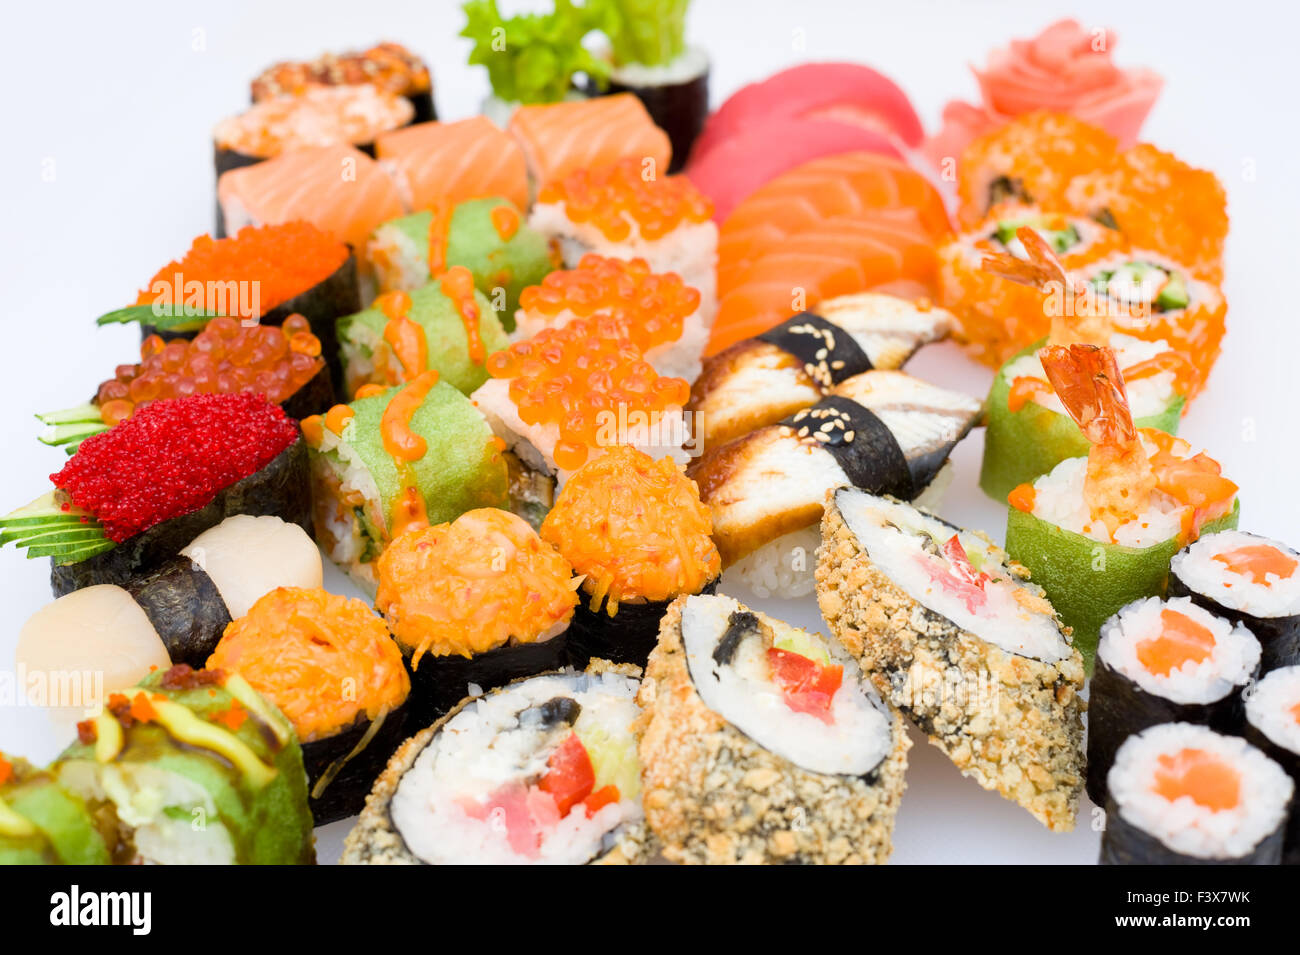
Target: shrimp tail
x=1042, y=270
x=1089, y=383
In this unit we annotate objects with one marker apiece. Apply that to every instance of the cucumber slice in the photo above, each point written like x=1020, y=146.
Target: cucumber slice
x=72, y=433
x=169, y=318
x=29, y=531
x=71, y=553
x=77, y=534
x=39, y=511
x=804, y=644
x=75, y=415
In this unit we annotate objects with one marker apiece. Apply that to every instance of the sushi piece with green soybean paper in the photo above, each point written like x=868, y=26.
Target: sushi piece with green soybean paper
x=1099, y=532
x=42, y=823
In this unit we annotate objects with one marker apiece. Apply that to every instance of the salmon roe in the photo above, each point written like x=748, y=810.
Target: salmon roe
x=580, y=378
x=172, y=458
x=224, y=358
x=613, y=197
x=650, y=307
x=283, y=260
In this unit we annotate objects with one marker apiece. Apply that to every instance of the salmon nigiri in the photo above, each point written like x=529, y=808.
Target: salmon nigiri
x=455, y=162
x=561, y=138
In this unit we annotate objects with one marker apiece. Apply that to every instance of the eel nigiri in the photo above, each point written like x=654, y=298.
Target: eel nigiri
x=453, y=162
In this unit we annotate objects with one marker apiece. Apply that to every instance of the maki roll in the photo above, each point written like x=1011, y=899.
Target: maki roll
x=476, y=602
x=283, y=363
x=1164, y=662
x=174, y=614
x=636, y=531
x=454, y=162
x=133, y=496
x=417, y=454
x=662, y=315
x=763, y=743
x=759, y=381
x=953, y=633
x=1098, y=532
x=541, y=771
x=195, y=768
x=446, y=325
x=1252, y=581
x=884, y=431
x=561, y=397
x=487, y=236
x=41, y=823
x=387, y=66
x=330, y=666
x=1273, y=725
x=1182, y=794
x=617, y=211
x=1029, y=431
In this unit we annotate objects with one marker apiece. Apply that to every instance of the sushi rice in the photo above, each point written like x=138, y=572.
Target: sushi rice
x=1148, y=396
x=1200, y=571
x=1272, y=705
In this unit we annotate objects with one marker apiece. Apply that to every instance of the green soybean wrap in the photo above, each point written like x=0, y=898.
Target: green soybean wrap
x=41, y=823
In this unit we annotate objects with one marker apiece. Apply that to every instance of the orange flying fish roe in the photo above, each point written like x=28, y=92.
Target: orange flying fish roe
x=227, y=357
x=478, y=583
x=321, y=658
x=581, y=378
x=284, y=260
x=636, y=529
x=1202, y=776
x=613, y=197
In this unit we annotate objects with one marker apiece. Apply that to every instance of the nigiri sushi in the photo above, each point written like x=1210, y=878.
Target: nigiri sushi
x=453, y=162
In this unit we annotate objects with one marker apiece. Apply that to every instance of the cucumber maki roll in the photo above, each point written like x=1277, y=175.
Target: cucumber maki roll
x=476, y=602
x=42, y=823
x=1182, y=794
x=1273, y=725
x=1251, y=580
x=953, y=633
x=197, y=769
x=541, y=771
x=637, y=532
x=1098, y=532
x=1164, y=662
x=417, y=454
x=446, y=325
x=487, y=236
x=1029, y=431
x=330, y=666
x=763, y=743
x=133, y=496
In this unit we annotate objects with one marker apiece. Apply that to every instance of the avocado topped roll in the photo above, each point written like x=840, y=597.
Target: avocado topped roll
x=763, y=743
x=955, y=635
x=41, y=823
x=541, y=771
x=197, y=769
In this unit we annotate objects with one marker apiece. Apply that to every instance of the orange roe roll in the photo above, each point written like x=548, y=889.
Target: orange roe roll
x=616, y=197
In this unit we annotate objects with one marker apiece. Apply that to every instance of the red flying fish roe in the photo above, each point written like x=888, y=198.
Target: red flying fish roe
x=573, y=377
x=284, y=260
x=171, y=458
x=224, y=358
x=650, y=307
x=608, y=196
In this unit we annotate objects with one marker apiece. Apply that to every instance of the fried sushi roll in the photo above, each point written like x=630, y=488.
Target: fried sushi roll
x=42, y=823
x=884, y=431
x=638, y=534
x=195, y=768
x=1273, y=725
x=1182, y=794
x=1250, y=580
x=951, y=632
x=762, y=743
x=331, y=667
x=1164, y=662
x=476, y=602
x=761, y=380
x=541, y=771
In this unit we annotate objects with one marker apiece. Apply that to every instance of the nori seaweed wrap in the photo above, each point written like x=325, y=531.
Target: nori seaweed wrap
x=1272, y=725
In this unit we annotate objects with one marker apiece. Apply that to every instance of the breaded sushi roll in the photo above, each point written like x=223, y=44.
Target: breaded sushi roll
x=1249, y=579
x=1182, y=794
x=1273, y=725
x=763, y=379
x=331, y=667
x=1164, y=662
x=952, y=632
x=479, y=601
x=543, y=771
x=884, y=431
x=622, y=211
x=763, y=743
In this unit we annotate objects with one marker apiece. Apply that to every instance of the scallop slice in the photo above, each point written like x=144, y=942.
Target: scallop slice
x=247, y=557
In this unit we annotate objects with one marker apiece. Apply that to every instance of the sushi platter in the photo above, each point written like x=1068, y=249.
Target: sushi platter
x=605, y=432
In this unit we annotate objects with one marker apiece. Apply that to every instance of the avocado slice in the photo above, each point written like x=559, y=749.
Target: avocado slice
x=1061, y=240
x=804, y=644
x=1173, y=295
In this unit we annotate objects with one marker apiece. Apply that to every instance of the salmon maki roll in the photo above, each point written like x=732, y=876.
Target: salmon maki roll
x=336, y=188
x=561, y=138
x=453, y=162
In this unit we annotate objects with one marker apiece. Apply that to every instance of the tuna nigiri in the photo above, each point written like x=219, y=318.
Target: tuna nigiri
x=455, y=162
x=336, y=188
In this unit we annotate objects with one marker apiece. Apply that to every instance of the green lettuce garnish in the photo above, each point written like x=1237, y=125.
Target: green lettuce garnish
x=651, y=32
x=532, y=58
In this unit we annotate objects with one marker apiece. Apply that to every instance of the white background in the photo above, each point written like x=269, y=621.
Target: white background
x=118, y=101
